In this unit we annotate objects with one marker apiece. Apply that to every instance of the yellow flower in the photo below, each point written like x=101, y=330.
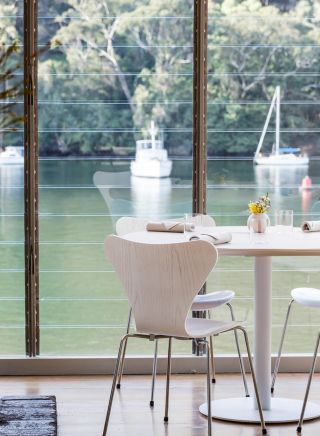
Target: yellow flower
x=261, y=205
x=256, y=208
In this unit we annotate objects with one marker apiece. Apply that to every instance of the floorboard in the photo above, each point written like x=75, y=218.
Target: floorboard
x=81, y=404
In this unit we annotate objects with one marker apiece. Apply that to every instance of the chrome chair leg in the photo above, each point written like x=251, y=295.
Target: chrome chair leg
x=123, y=341
x=213, y=367
x=205, y=342
x=166, y=417
x=315, y=354
x=154, y=372
x=263, y=425
x=124, y=351
x=242, y=369
x=277, y=364
x=209, y=389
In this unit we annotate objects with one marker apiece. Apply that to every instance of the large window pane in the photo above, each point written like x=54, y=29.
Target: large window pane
x=114, y=67
x=251, y=51
x=11, y=181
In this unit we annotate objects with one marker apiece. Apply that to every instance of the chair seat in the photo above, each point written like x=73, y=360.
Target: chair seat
x=306, y=296
x=212, y=300
x=201, y=327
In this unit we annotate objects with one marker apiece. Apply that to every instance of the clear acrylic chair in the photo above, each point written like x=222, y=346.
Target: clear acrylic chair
x=161, y=281
x=204, y=302
x=309, y=297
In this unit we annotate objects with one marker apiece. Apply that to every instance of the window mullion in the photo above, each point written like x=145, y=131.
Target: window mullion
x=31, y=177
x=199, y=174
x=200, y=47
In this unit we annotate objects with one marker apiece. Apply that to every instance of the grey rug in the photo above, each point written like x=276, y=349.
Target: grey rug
x=28, y=416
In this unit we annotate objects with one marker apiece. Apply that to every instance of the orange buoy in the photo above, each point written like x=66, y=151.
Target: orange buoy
x=306, y=183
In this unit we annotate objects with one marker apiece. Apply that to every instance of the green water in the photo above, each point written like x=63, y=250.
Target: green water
x=82, y=309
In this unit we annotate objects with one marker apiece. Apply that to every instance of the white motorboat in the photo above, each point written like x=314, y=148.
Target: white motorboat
x=12, y=155
x=279, y=156
x=151, y=158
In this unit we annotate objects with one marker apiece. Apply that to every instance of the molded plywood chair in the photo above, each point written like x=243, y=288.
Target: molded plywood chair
x=308, y=297
x=161, y=281
x=205, y=302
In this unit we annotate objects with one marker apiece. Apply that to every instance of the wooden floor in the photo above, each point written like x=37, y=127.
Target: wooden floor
x=82, y=400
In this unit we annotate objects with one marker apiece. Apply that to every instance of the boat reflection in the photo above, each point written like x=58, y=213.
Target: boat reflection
x=11, y=196
x=127, y=195
x=282, y=182
x=151, y=197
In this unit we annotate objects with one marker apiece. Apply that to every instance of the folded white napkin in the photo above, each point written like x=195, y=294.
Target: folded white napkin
x=169, y=226
x=310, y=226
x=214, y=238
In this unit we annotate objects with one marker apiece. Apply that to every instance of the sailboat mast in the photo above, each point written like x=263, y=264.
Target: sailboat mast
x=266, y=124
x=277, y=120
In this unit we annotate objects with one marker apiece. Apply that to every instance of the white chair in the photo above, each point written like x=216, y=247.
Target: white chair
x=161, y=281
x=308, y=297
x=204, y=302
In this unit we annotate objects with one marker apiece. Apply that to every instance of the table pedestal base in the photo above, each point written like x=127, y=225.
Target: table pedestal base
x=242, y=410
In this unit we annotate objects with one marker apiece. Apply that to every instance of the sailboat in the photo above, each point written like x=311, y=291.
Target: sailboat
x=279, y=156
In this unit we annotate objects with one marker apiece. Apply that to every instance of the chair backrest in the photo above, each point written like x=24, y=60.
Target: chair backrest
x=129, y=224
x=107, y=184
x=161, y=280
x=203, y=220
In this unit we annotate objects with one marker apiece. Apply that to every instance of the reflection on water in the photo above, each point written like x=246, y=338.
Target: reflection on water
x=128, y=195
x=76, y=196
x=141, y=197
x=115, y=190
x=288, y=190
x=227, y=196
x=284, y=180
x=151, y=197
x=11, y=194
x=158, y=198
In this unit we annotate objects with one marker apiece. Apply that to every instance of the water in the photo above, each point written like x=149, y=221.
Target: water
x=83, y=309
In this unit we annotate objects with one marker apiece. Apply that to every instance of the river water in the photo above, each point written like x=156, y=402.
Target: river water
x=82, y=307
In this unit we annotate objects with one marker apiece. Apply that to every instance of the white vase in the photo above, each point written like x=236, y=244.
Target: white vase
x=258, y=222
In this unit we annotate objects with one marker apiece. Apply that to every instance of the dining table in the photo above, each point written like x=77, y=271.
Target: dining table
x=262, y=247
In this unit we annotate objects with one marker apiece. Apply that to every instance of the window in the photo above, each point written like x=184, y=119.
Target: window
x=114, y=71
x=12, y=334
x=249, y=54
x=119, y=72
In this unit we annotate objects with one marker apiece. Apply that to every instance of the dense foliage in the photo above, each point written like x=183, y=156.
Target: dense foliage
x=120, y=64
x=10, y=82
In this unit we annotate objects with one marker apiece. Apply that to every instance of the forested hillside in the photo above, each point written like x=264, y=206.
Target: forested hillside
x=115, y=65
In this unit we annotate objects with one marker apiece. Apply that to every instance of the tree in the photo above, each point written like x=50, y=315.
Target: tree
x=123, y=63
x=127, y=61
x=163, y=91
x=91, y=69
x=255, y=48
x=10, y=67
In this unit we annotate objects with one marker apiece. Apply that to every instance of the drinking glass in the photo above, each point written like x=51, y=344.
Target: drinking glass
x=192, y=218
x=284, y=221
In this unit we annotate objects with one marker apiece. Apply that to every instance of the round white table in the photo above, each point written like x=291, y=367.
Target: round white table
x=262, y=247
